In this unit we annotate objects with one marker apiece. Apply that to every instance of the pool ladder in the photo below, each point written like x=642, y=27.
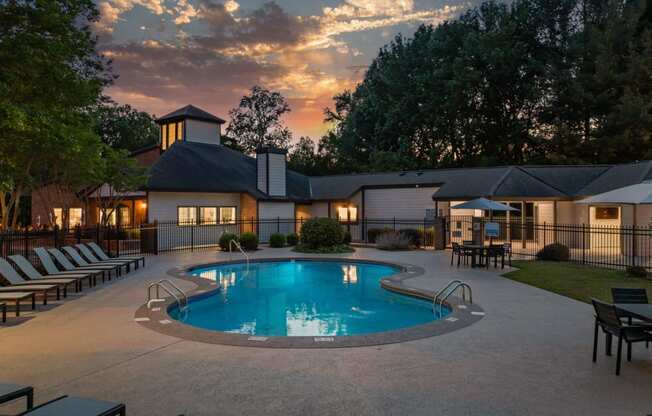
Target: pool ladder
x=171, y=289
x=450, y=288
x=239, y=247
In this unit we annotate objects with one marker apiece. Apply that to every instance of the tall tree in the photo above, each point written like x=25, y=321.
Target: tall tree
x=124, y=127
x=257, y=121
x=51, y=72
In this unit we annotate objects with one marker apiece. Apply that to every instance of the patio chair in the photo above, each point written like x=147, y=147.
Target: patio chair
x=507, y=247
x=18, y=297
x=103, y=256
x=88, y=255
x=68, y=405
x=28, y=270
x=79, y=261
x=52, y=270
x=493, y=252
x=18, y=284
x=66, y=264
x=630, y=295
x=608, y=319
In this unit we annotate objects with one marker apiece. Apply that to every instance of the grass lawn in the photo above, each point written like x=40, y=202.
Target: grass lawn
x=575, y=281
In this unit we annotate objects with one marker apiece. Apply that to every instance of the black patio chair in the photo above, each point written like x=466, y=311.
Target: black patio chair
x=507, y=248
x=455, y=251
x=608, y=319
x=463, y=254
x=629, y=295
x=493, y=252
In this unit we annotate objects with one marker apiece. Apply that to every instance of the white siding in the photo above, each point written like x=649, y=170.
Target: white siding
x=545, y=214
x=261, y=164
x=202, y=131
x=273, y=215
x=402, y=203
x=276, y=174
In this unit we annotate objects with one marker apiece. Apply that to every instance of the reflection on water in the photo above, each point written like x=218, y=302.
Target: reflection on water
x=304, y=298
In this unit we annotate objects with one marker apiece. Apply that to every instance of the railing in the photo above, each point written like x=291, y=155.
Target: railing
x=162, y=285
x=235, y=243
x=447, y=291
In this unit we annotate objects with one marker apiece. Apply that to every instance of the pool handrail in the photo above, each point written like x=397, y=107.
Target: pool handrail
x=452, y=286
x=161, y=284
x=231, y=243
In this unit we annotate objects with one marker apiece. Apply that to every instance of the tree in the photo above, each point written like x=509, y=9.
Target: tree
x=124, y=127
x=51, y=73
x=257, y=122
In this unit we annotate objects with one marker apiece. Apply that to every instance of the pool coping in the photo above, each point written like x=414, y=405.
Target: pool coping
x=157, y=317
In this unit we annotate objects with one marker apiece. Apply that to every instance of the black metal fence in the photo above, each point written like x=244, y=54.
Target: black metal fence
x=595, y=245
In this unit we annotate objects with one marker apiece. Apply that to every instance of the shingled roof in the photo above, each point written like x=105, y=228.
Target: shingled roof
x=192, y=112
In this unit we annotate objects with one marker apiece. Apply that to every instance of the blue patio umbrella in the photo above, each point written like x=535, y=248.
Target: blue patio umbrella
x=484, y=204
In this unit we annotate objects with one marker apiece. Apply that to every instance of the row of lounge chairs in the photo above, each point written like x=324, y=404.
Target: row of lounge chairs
x=81, y=263
x=61, y=406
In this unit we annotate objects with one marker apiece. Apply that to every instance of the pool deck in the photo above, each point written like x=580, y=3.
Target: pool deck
x=530, y=355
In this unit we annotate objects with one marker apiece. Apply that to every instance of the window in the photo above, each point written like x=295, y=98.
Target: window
x=125, y=217
x=164, y=136
x=58, y=217
x=208, y=215
x=187, y=215
x=172, y=133
x=101, y=216
x=606, y=213
x=227, y=215
x=74, y=217
x=347, y=214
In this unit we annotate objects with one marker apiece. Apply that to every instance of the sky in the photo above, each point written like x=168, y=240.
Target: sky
x=209, y=53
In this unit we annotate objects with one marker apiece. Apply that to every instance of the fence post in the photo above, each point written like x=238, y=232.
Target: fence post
x=633, y=245
x=26, y=243
x=78, y=233
x=192, y=237
x=544, y=233
x=394, y=223
x=278, y=224
x=97, y=234
x=583, y=243
x=55, y=232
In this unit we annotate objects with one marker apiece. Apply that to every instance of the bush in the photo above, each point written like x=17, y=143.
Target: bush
x=225, y=239
x=249, y=241
x=554, y=252
x=339, y=248
x=321, y=232
x=413, y=235
x=347, y=237
x=393, y=240
x=373, y=233
x=277, y=240
x=636, y=271
x=292, y=239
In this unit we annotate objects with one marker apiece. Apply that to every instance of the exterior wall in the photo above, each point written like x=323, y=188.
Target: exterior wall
x=319, y=210
x=402, y=203
x=163, y=205
x=569, y=212
x=48, y=197
x=272, y=215
x=248, y=211
x=202, y=131
x=277, y=175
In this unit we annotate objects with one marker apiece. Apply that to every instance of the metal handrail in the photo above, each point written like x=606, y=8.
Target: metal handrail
x=231, y=243
x=439, y=300
x=162, y=284
x=449, y=284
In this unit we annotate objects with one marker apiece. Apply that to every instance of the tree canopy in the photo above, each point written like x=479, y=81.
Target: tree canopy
x=124, y=127
x=535, y=81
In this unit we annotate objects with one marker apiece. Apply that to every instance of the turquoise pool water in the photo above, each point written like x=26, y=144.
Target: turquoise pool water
x=303, y=298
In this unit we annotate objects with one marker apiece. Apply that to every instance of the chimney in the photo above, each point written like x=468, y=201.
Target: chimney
x=270, y=164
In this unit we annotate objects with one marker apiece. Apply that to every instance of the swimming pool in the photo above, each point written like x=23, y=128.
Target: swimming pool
x=303, y=298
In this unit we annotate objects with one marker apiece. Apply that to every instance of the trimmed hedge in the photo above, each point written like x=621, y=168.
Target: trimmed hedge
x=277, y=240
x=554, y=252
x=292, y=239
x=321, y=232
x=249, y=241
x=225, y=239
x=347, y=237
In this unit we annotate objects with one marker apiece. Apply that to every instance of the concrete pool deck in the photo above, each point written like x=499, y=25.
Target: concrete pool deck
x=530, y=355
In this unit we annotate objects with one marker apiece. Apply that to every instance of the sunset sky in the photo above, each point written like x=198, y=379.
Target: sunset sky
x=169, y=53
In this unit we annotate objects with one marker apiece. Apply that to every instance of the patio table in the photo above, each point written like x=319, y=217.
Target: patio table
x=642, y=311
x=476, y=249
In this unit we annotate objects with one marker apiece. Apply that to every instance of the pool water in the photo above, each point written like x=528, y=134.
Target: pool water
x=303, y=298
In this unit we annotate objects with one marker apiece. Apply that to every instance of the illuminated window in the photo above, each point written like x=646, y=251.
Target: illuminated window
x=74, y=217
x=187, y=215
x=180, y=131
x=125, y=218
x=347, y=214
x=101, y=215
x=164, y=136
x=227, y=215
x=606, y=213
x=57, y=217
x=208, y=215
x=172, y=133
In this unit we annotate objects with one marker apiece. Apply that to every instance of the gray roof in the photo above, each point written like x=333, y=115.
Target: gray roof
x=190, y=111
x=200, y=167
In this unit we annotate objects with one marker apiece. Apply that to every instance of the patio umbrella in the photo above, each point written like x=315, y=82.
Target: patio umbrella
x=485, y=204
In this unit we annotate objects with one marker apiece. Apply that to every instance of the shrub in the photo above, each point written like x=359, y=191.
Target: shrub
x=347, y=237
x=321, y=232
x=393, y=240
x=276, y=240
x=225, y=239
x=292, y=239
x=373, y=233
x=249, y=241
x=636, y=271
x=413, y=235
x=554, y=252
x=339, y=248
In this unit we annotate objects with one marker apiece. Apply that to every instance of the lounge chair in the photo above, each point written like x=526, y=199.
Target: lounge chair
x=88, y=254
x=3, y=306
x=608, y=319
x=18, y=284
x=67, y=265
x=78, y=406
x=11, y=392
x=28, y=270
x=52, y=270
x=79, y=261
x=18, y=297
x=103, y=256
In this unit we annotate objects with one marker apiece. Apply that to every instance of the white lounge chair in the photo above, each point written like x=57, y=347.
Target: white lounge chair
x=18, y=284
x=103, y=256
x=52, y=270
x=28, y=270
